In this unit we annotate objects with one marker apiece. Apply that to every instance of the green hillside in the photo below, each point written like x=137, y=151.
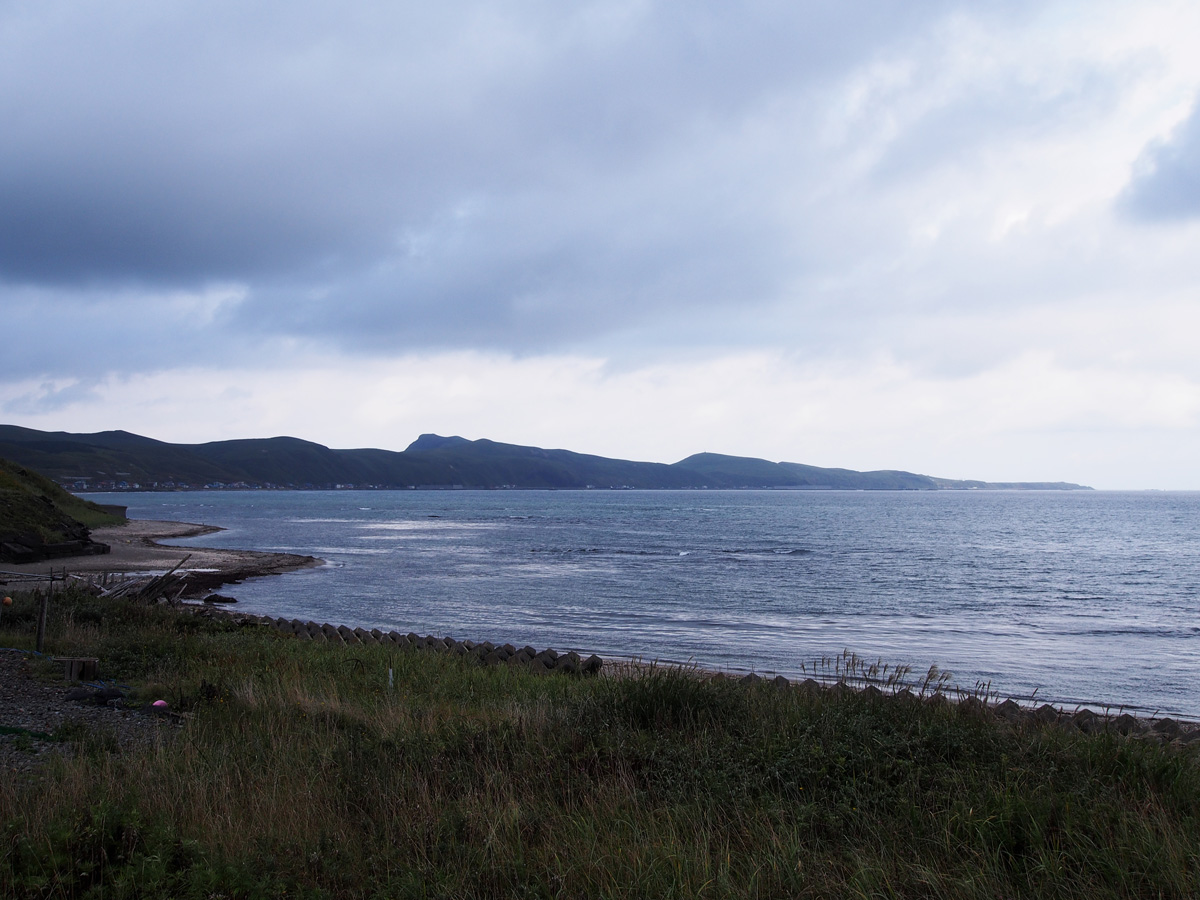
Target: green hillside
x=37, y=515
x=485, y=463
x=106, y=456
x=882, y=480
x=746, y=472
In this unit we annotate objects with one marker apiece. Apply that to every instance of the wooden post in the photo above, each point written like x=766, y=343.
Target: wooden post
x=80, y=668
x=44, y=603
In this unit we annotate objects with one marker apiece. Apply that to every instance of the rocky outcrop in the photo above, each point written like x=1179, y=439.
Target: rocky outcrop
x=28, y=547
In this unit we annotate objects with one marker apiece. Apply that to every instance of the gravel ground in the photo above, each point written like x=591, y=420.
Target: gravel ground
x=32, y=703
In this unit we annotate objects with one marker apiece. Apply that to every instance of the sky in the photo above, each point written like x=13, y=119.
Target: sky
x=955, y=238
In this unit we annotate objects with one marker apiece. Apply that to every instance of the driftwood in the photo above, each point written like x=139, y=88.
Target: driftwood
x=19, y=577
x=158, y=586
x=145, y=590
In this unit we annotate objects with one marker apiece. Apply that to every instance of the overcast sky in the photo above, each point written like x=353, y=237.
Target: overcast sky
x=957, y=238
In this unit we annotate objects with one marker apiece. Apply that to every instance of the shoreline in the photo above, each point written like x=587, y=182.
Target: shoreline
x=136, y=548
x=1086, y=717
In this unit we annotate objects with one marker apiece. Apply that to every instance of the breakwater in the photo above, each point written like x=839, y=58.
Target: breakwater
x=487, y=653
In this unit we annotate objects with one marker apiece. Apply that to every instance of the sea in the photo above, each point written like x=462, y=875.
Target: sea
x=1076, y=598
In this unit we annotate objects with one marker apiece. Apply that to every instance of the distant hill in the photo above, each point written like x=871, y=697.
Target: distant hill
x=39, y=519
x=118, y=460
x=746, y=472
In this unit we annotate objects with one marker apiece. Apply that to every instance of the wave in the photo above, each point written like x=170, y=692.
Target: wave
x=433, y=523
x=768, y=552
x=1159, y=631
x=601, y=551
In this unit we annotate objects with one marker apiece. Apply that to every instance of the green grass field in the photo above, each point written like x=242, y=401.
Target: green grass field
x=300, y=773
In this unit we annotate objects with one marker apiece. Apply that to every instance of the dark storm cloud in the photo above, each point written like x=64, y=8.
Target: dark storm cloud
x=465, y=174
x=1166, y=181
x=519, y=272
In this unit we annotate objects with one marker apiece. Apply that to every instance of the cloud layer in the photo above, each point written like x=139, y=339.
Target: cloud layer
x=939, y=190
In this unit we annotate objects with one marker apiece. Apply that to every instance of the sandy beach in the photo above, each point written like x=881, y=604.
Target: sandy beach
x=136, y=547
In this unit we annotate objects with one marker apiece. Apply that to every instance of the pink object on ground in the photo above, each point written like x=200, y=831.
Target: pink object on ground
x=159, y=703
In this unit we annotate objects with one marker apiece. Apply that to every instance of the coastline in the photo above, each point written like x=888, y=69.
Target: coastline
x=136, y=547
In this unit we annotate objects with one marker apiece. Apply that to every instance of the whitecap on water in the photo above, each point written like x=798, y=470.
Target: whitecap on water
x=426, y=525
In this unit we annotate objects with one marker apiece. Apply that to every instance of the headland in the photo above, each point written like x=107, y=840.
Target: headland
x=136, y=548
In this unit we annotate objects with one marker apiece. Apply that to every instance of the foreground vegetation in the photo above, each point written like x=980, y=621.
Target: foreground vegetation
x=300, y=773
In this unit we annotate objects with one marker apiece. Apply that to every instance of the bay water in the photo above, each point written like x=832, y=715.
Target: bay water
x=1070, y=597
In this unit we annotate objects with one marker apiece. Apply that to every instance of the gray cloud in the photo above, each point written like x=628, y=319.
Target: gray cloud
x=49, y=397
x=523, y=178
x=88, y=332
x=446, y=174
x=1166, y=180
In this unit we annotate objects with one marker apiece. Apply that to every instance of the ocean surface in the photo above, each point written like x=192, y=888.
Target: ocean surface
x=1086, y=597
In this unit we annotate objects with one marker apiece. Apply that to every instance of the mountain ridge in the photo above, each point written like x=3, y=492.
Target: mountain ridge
x=121, y=460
